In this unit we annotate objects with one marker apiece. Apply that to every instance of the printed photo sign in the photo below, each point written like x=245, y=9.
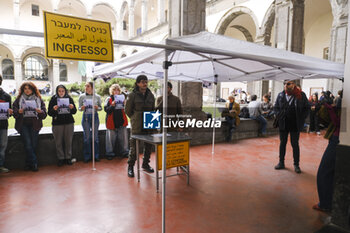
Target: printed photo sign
x=63, y=106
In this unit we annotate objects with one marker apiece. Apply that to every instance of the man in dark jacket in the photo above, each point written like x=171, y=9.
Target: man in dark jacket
x=4, y=98
x=174, y=106
x=139, y=100
x=295, y=107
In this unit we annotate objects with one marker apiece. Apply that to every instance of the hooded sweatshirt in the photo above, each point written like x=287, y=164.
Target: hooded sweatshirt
x=61, y=119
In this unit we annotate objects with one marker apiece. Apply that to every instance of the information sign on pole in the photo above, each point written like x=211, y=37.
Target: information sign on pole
x=68, y=37
x=177, y=154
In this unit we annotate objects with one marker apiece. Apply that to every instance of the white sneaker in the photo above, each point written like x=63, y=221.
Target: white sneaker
x=318, y=133
x=4, y=170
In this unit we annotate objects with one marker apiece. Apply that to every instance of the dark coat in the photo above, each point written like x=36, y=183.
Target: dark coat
x=302, y=108
x=36, y=121
x=61, y=119
x=4, y=97
x=136, y=104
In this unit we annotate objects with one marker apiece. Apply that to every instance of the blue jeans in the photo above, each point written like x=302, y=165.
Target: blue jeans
x=30, y=140
x=119, y=136
x=325, y=174
x=3, y=145
x=262, y=122
x=231, y=127
x=87, y=127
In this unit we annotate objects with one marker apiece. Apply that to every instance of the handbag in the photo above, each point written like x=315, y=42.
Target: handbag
x=281, y=113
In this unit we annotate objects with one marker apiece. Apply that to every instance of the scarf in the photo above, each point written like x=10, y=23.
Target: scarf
x=25, y=97
x=296, y=92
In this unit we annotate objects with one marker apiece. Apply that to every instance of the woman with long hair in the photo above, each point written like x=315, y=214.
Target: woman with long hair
x=315, y=107
x=29, y=111
x=116, y=122
x=86, y=105
x=61, y=109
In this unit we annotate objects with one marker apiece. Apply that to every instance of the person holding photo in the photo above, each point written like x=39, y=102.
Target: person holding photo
x=61, y=109
x=116, y=122
x=29, y=111
x=5, y=103
x=86, y=105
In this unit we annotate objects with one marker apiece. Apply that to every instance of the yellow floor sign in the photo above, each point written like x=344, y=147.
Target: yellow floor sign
x=177, y=155
x=68, y=37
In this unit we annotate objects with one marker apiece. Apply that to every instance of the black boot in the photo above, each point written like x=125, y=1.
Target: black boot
x=69, y=161
x=35, y=168
x=131, y=171
x=280, y=166
x=147, y=168
x=60, y=162
x=297, y=169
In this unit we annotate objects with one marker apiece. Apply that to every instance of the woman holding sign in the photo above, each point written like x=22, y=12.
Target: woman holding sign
x=116, y=122
x=61, y=109
x=86, y=105
x=29, y=111
x=5, y=112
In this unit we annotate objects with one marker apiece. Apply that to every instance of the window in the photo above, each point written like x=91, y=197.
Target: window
x=123, y=55
x=63, y=72
x=35, y=68
x=225, y=93
x=124, y=25
x=326, y=53
x=134, y=51
x=7, y=69
x=35, y=10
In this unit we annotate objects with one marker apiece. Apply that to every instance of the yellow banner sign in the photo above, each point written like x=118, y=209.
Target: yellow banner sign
x=68, y=37
x=177, y=154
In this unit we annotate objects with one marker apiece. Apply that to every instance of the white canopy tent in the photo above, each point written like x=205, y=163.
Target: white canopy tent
x=214, y=58
x=204, y=56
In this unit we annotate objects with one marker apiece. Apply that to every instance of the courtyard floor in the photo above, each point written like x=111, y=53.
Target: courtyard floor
x=235, y=190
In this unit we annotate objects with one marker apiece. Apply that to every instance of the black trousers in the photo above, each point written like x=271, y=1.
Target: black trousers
x=325, y=174
x=132, y=152
x=294, y=139
x=314, y=122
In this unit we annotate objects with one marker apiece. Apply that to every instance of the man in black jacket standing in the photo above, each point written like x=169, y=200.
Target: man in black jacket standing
x=140, y=100
x=4, y=98
x=293, y=102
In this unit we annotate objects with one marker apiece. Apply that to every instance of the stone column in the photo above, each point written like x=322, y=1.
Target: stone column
x=338, y=38
x=341, y=33
x=55, y=73
x=18, y=72
x=144, y=10
x=188, y=17
x=261, y=87
x=289, y=27
x=161, y=11
x=16, y=13
x=131, y=22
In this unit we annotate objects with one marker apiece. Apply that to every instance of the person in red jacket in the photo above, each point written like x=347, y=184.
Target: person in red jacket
x=116, y=122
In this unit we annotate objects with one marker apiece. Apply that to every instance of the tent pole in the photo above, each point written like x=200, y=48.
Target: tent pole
x=213, y=144
x=93, y=126
x=164, y=139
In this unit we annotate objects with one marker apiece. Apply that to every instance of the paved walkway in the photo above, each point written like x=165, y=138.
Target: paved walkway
x=236, y=190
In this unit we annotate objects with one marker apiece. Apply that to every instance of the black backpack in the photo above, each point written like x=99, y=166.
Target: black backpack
x=244, y=113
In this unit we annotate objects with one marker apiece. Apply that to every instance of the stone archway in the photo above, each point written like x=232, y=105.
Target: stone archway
x=267, y=26
x=227, y=21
